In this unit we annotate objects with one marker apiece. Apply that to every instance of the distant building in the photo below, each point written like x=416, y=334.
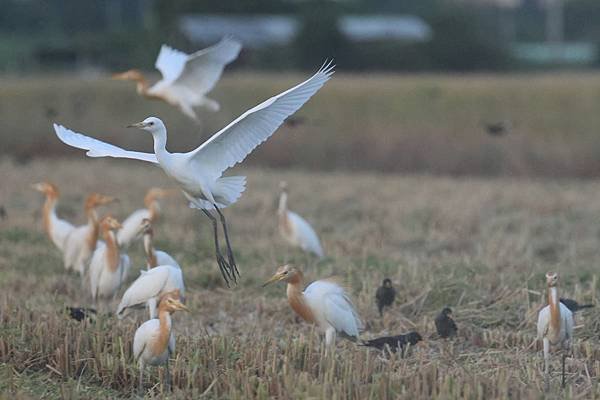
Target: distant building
x=256, y=31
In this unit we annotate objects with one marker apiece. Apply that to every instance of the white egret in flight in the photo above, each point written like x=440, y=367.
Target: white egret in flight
x=187, y=78
x=199, y=172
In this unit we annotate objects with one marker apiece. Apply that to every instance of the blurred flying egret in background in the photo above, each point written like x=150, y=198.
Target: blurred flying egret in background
x=324, y=302
x=187, y=78
x=199, y=172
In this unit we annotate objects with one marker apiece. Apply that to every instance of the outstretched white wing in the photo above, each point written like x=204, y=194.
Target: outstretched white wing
x=233, y=143
x=98, y=148
x=170, y=62
x=203, y=69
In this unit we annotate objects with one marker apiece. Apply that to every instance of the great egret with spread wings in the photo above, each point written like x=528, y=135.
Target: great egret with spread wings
x=186, y=78
x=199, y=172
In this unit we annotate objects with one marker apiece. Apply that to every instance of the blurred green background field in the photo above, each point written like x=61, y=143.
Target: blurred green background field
x=379, y=122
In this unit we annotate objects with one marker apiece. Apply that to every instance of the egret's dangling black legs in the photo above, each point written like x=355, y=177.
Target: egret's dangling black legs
x=564, y=355
x=234, y=270
x=223, y=265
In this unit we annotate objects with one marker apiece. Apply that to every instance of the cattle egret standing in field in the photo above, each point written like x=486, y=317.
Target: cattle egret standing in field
x=57, y=229
x=163, y=275
x=199, y=172
x=324, y=302
x=154, y=341
x=81, y=241
x=294, y=229
x=131, y=224
x=187, y=78
x=554, y=326
x=108, y=267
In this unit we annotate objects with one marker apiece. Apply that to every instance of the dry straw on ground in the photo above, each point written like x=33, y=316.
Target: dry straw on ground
x=480, y=246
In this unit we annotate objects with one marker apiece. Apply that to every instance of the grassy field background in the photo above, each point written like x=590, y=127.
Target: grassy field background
x=481, y=246
x=471, y=240
x=390, y=123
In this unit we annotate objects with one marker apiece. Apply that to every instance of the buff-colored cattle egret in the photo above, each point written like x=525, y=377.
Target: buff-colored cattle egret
x=57, y=229
x=295, y=229
x=325, y=303
x=187, y=78
x=161, y=277
x=81, y=242
x=154, y=341
x=554, y=327
x=199, y=172
x=131, y=224
x=108, y=267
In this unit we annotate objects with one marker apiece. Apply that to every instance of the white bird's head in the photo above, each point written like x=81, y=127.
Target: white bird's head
x=552, y=279
x=150, y=124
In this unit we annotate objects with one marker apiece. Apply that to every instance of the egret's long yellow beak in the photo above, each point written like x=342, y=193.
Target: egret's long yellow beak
x=181, y=306
x=275, y=278
x=140, y=125
x=119, y=76
x=108, y=200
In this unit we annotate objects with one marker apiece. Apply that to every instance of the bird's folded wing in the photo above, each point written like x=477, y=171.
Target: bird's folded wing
x=146, y=286
x=170, y=62
x=340, y=313
x=233, y=143
x=98, y=148
x=203, y=69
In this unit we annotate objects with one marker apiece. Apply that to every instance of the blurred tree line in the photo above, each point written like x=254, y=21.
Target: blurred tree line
x=467, y=35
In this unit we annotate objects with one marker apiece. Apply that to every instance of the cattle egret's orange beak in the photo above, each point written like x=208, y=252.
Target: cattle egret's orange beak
x=180, y=306
x=120, y=76
x=107, y=200
x=275, y=278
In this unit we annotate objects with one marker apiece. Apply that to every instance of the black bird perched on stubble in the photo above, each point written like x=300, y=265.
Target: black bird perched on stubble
x=445, y=325
x=385, y=295
x=394, y=342
x=81, y=313
x=573, y=305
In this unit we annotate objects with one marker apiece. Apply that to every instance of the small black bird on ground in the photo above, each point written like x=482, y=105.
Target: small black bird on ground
x=445, y=325
x=385, y=295
x=81, y=313
x=394, y=342
x=573, y=305
x=2, y=212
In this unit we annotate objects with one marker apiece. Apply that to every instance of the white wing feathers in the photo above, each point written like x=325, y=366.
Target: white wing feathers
x=98, y=148
x=233, y=143
x=148, y=285
x=203, y=69
x=170, y=62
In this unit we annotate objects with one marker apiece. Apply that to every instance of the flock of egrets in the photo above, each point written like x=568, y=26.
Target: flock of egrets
x=97, y=250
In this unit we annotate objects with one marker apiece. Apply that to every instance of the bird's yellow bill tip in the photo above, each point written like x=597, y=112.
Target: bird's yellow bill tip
x=274, y=278
x=136, y=125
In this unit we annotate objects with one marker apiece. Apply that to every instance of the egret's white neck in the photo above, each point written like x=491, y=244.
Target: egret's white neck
x=283, y=202
x=160, y=142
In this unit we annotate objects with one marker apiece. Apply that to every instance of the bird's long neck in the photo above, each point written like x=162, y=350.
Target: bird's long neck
x=112, y=250
x=49, y=212
x=141, y=84
x=154, y=209
x=283, y=202
x=164, y=333
x=297, y=300
x=553, y=302
x=93, y=228
x=149, y=249
x=160, y=144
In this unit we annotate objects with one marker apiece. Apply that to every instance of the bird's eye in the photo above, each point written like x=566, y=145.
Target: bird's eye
x=285, y=272
x=151, y=123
